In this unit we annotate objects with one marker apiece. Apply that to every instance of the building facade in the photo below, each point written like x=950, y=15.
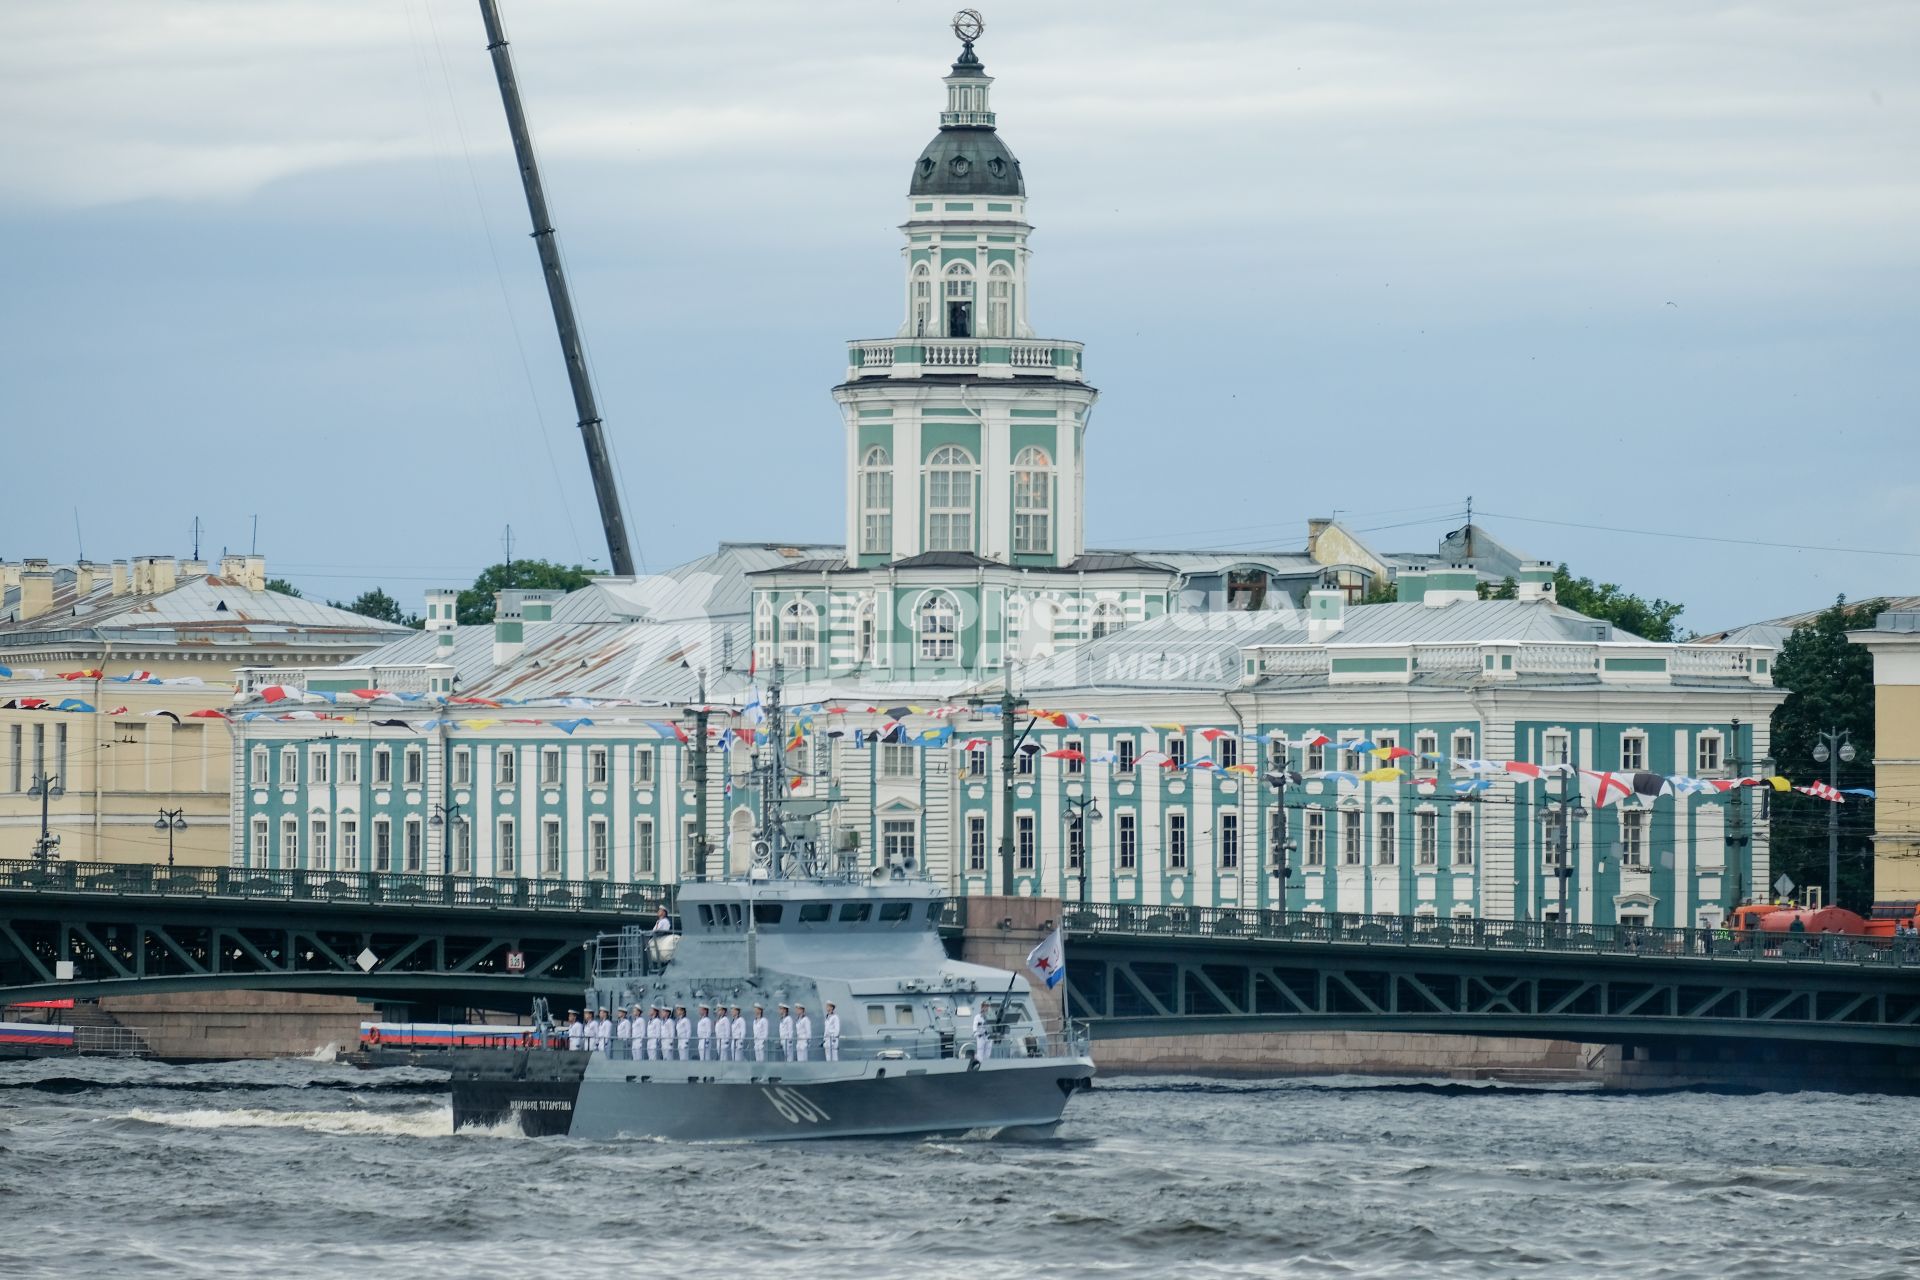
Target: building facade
x=1159, y=689
x=1895, y=644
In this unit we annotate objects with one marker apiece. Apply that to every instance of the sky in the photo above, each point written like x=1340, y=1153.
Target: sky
x=1631, y=276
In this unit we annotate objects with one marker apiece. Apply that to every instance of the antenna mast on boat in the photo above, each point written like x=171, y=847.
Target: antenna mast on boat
x=604, y=490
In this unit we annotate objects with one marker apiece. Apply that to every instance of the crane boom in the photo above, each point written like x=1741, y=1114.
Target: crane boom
x=592, y=433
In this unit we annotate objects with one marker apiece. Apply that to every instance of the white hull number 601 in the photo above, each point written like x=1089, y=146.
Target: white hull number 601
x=793, y=1107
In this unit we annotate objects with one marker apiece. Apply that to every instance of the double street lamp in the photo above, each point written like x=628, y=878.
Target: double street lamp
x=1079, y=810
x=170, y=821
x=1558, y=819
x=46, y=786
x=1280, y=779
x=1834, y=749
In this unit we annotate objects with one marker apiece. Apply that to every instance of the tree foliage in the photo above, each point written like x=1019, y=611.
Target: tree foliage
x=379, y=605
x=1830, y=684
x=1381, y=591
x=282, y=586
x=476, y=602
x=1648, y=619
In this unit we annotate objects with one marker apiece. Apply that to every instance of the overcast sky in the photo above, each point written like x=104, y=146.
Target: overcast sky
x=1626, y=266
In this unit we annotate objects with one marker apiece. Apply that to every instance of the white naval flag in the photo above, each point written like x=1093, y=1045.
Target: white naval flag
x=1049, y=959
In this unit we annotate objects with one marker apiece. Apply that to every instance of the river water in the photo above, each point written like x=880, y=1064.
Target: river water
x=307, y=1168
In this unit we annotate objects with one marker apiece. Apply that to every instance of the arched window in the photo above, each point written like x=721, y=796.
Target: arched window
x=1032, y=501
x=876, y=502
x=950, y=500
x=799, y=635
x=939, y=629
x=959, y=301
x=1107, y=619
x=1000, y=301
x=866, y=632
x=763, y=634
x=922, y=318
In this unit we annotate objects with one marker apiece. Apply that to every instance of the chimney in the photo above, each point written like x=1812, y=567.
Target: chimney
x=153, y=575
x=1326, y=613
x=119, y=577
x=233, y=568
x=442, y=610
x=509, y=632
x=1316, y=527
x=9, y=575
x=36, y=592
x=537, y=608
x=193, y=568
x=1450, y=584
x=1535, y=580
x=1410, y=586
x=256, y=574
x=82, y=581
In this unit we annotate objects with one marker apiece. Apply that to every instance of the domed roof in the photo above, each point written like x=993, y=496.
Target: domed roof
x=967, y=161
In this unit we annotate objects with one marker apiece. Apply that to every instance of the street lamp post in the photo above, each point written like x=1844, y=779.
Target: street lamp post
x=1834, y=749
x=447, y=815
x=46, y=786
x=170, y=821
x=1280, y=779
x=1080, y=809
x=1558, y=821
x=1010, y=706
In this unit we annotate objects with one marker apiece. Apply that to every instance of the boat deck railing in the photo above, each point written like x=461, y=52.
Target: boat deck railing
x=1015, y=1040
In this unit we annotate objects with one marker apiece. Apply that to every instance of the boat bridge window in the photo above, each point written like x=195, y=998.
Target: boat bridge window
x=895, y=912
x=767, y=912
x=816, y=912
x=852, y=912
x=934, y=910
x=903, y=1014
x=877, y=1015
x=721, y=915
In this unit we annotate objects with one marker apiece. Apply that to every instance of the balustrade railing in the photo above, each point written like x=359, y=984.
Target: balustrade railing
x=1464, y=933
x=951, y=354
x=374, y=888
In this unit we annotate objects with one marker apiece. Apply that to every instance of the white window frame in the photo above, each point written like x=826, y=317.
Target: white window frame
x=866, y=632
x=1179, y=855
x=976, y=842
x=320, y=854
x=553, y=852
x=383, y=844
x=920, y=302
x=550, y=767
x=1228, y=822
x=257, y=766
x=1025, y=843
x=1353, y=842
x=289, y=766
x=415, y=767
x=1463, y=745
x=898, y=760
x=876, y=502
x=1463, y=837
x=350, y=767
x=1633, y=838
x=643, y=766
x=1313, y=847
x=1000, y=295
x=899, y=840
x=937, y=628
x=763, y=633
x=1032, y=501
x=646, y=852
x=1127, y=841
x=1075, y=767
x=1633, y=752
x=262, y=843
x=1108, y=618
x=319, y=767
x=1226, y=751
x=414, y=851
x=799, y=635
x=349, y=844
x=383, y=766
x=1556, y=747
x=1425, y=743
x=289, y=843
x=506, y=847
x=1709, y=753
x=462, y=834
x=1124, y=756
x=1426, y=838
x=599, y=767
x=506, y=766
x=599, y=848
x=463, y=766
x=950, y=476
x=1386, y=838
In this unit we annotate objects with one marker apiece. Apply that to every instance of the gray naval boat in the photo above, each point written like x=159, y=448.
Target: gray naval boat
x=908, y=1059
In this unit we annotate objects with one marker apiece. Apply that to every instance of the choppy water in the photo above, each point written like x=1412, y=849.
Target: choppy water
x=303, y=1168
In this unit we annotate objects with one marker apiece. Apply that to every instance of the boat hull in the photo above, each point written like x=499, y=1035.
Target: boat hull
x=593, y=1096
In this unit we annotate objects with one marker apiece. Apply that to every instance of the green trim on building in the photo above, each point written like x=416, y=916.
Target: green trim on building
x=1362, y=666
x=1035, y=413
x=923, y=206
x=1635, y=664
x=931, y=412
x=993, y=207
x=876, y=413
x=964, y=207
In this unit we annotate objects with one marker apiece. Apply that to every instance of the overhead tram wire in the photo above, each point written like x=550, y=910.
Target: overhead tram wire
x=500, y=280
x=1707, y=537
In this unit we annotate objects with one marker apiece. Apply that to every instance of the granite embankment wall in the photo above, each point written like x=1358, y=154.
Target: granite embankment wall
x=240, y=1024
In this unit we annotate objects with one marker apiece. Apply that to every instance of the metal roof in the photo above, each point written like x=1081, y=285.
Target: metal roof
x=1774, y=631
x=198, y=606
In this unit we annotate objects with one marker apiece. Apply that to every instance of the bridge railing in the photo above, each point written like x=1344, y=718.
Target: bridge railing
x=368, y=888
x=1461, y=933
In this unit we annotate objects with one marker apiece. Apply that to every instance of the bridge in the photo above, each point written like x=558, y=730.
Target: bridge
x=85, y=930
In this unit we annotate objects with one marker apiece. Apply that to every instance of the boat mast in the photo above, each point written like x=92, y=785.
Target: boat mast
x=591, y=434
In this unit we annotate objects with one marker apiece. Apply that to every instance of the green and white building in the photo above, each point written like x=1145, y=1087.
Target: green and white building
x=964, y=566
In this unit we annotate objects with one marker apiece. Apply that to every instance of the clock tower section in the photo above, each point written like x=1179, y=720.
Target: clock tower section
x=964, y=431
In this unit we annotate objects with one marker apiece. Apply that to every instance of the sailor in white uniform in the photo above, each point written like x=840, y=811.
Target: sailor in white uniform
x=659, y=1032
x=603, y=1031
x=759, y=1033
x=982, y=1037
x=683, y=1030
x=663, y=923
x=802, y=1032
x=830, y=1034
x=703, y=1031
x=786, y=1033
x=623, y=1034
x=738, y=1033
x=576, y=1030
